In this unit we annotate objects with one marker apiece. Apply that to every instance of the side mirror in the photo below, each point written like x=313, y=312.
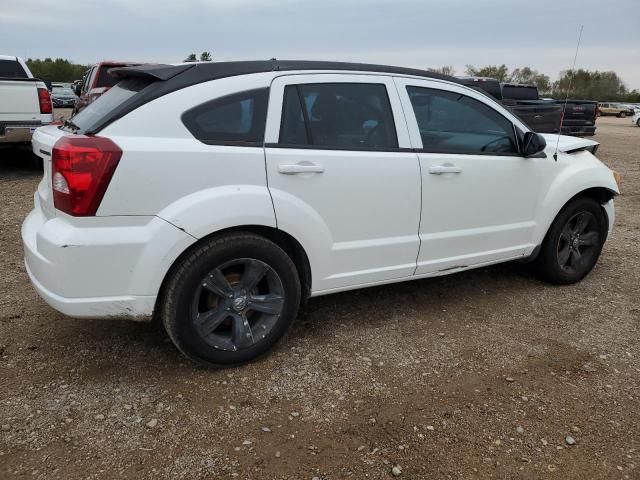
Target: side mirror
x=533, y=145
x=77, y=89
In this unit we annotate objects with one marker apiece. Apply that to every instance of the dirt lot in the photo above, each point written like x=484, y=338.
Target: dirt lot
x=477, y=375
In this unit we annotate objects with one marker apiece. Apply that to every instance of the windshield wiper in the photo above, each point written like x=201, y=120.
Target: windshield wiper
x=71, y=125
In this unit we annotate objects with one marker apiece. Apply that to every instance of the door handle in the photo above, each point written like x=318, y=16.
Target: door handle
x=300, y=168
x=446, y=168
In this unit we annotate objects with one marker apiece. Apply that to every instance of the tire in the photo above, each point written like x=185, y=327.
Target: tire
x=638, y=122
x=580, y=226
x=622, y=115
x=230, y=299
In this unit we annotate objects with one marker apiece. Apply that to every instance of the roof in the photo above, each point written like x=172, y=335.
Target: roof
x=198, y=72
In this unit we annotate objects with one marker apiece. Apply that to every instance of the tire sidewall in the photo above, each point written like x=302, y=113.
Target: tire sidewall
x=548, y=264
x=185, y=283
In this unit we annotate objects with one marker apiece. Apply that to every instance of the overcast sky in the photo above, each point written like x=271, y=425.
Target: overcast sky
x=416, y=33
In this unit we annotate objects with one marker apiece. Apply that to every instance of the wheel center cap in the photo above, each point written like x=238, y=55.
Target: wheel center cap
x=239, y=303
x=575, y=243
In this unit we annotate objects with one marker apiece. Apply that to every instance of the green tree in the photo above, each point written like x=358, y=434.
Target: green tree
x=205, y=57
x=191, y=58
x=444, y=70
x=493, y=71
x=591, y=85
x=531, y=77
x=58, y=70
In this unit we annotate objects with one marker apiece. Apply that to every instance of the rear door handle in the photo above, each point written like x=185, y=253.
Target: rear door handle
x=446, y=168
x=300, y=168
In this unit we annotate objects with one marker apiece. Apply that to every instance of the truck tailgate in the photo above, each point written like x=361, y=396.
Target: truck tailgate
x=19, y=100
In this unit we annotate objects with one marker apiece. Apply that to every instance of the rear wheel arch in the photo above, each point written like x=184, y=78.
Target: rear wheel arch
x=285, y=241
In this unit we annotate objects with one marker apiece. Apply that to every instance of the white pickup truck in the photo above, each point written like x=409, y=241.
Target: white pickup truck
x=25, y=103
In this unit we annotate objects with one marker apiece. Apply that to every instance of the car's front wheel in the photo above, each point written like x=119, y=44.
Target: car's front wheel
x=573, y=243
x=230, y=299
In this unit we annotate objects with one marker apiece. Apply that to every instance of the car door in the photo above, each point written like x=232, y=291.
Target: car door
x=343, y=178
x=479, y=194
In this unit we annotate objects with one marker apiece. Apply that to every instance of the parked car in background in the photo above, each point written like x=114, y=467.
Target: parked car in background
x=541, y=116
x=25, y=102
x=219, y=196
x=62, y=95
x=95, y=82
x=615, y=109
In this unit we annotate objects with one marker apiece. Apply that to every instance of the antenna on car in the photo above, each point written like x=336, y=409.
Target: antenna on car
x=566, y=98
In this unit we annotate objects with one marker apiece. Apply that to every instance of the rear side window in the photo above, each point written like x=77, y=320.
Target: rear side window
x=104, y=79
x=12, y=69
x=338, y=115
x=237, y=119
x=450, y=122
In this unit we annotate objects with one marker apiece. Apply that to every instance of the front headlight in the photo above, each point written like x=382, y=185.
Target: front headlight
x=618, y=178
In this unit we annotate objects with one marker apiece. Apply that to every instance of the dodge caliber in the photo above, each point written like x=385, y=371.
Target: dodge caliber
x=218, y=197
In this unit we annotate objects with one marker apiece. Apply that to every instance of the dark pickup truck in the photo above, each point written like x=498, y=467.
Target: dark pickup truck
x=579, y=115
x=540, y=115
x=543, y=116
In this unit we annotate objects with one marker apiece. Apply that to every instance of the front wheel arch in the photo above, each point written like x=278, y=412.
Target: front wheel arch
x=600, y=194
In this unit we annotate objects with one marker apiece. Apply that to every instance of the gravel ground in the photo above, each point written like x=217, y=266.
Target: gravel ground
x=483, y=374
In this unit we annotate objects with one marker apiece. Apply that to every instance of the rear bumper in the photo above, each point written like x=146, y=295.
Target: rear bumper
x=17, y=133
x=586, y=131
x=100, y=266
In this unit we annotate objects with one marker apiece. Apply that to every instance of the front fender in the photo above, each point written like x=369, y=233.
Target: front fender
x=569, y=183
x=207, y=211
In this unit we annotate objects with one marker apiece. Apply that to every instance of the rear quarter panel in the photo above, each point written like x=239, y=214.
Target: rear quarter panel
x=165, y=171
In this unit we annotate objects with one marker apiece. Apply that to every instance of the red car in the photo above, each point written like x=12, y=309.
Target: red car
x=95, y=82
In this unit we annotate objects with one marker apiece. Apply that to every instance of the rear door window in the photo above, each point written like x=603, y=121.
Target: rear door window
x=450, y=122
x=237, y=119
x=12, y=69
x=338, y=115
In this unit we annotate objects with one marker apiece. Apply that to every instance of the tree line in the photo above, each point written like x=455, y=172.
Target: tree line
x=584, y=84
x=579, y=84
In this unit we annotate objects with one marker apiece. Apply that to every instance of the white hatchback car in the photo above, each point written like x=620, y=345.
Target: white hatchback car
x=220, y=196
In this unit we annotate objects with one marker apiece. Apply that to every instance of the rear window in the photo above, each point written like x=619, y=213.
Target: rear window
x=105, y=104
x=12, y=69
x=519, y=93
x=104, y=79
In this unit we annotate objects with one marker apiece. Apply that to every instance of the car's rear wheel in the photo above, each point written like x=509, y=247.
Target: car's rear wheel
x=622, y=115
x=573, y=244
x=230, y=299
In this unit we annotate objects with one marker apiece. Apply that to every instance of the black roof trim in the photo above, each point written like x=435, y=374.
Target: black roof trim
x=170, y=78
x=205, y=71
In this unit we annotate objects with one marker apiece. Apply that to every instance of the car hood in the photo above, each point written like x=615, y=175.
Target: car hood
x=567, y=143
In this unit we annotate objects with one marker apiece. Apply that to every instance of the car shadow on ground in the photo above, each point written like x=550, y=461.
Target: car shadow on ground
x=19, y=162
x=119, y=347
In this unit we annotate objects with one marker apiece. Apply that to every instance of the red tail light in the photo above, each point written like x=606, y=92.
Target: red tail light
x=45, y=101
x=82, y=168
